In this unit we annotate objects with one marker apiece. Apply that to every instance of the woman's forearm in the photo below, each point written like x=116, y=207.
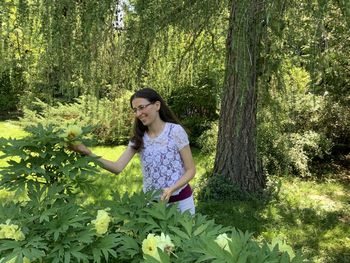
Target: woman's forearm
x=116, y=166
x=106, y=164
x=185, y=178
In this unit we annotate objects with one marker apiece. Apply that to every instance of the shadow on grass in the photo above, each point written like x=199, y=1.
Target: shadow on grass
x=321, y=233
x=244, y=215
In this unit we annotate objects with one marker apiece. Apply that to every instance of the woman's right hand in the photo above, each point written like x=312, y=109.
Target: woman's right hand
x=80, y=148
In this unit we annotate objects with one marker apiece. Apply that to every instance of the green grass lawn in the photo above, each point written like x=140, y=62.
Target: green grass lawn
x=10, y=129
x=311, y=216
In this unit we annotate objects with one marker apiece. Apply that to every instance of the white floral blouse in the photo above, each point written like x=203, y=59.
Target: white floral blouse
x=161, y=162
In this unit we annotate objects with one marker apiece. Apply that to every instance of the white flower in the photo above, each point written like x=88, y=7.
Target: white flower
x=101, y=222
x=152, y=242
x=222, y=241
x=164, y=243
x=11, y=231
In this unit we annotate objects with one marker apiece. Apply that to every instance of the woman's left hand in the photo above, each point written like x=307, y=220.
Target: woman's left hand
x=167, y=192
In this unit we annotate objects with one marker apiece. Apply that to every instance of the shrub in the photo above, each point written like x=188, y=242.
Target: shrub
x=208, y=140
x=304, y=148
x=335, y=123
x=52, y=226
x=44, y=159
x=285, y=153
x=111, y=119
x=217, y=187
x=8, y=90
x=196, y=106
x=290, y=136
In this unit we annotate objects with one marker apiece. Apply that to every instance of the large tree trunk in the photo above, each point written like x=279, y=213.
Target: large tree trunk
x=236, y=155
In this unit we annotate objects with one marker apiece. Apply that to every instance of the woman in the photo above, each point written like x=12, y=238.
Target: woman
x=166, y=158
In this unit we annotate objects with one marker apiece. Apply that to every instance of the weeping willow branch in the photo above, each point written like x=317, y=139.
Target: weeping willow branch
x=189, y=47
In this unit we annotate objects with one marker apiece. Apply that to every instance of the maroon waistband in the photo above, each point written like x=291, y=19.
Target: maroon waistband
x=186, y=192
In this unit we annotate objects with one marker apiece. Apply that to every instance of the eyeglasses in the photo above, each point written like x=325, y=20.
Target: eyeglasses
x=141, y=107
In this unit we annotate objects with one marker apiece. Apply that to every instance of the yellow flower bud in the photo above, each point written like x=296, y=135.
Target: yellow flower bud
x=13, y=260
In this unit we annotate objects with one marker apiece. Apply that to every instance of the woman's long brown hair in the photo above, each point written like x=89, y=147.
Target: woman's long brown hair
x=165, y=115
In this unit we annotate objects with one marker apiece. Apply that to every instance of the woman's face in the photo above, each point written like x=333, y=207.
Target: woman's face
x=145, y=111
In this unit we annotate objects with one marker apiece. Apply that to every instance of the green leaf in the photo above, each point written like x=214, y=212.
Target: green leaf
x=187, y=223
x=285, y=258
x=9, y=244
x=150, y=259
x=156, y=211
x=79, y=256
x=205, y=258
x=129, y=246
x=67, y=257
x=179, y=232
x=201, y=229
x=164, y=257
x=33, y=252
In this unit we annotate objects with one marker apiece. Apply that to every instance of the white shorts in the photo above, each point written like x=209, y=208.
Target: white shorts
x=186, y=204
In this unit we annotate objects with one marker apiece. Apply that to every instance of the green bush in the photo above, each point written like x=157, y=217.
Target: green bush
x=217, y=187
x=208, y=140
x=50, y=225
x=290, y=135
x=335, y=124
x=304, y=148
x=111, y=119
x=273, y=148
x=8, y=92
x=196, y=106
x=291, y=153
x=43, y=157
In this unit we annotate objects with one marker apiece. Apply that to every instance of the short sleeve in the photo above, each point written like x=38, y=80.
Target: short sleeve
x=180, y=137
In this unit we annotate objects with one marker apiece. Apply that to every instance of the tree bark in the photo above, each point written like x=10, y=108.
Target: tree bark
x=236, y=155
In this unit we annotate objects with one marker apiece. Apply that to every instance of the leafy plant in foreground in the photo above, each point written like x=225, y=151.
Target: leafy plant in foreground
x=50, y=225
x=43, y=157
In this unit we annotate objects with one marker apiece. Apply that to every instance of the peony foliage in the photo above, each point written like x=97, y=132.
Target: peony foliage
x=52, y=223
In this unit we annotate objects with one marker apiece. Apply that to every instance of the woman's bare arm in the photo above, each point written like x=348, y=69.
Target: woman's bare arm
x=111, y=166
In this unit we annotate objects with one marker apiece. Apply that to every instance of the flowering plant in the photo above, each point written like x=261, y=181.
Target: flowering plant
x=151, y=244
x=52, y=224
x=71, y=133
x=101, y=222
x=222, y=240
x=44, y=157
x=11, y=231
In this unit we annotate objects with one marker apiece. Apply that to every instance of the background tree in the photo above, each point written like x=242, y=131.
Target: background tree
x=236, y=154
x=294, y=51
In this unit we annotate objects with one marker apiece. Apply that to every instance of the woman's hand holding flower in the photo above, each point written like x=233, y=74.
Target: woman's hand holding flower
x=81, y=148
